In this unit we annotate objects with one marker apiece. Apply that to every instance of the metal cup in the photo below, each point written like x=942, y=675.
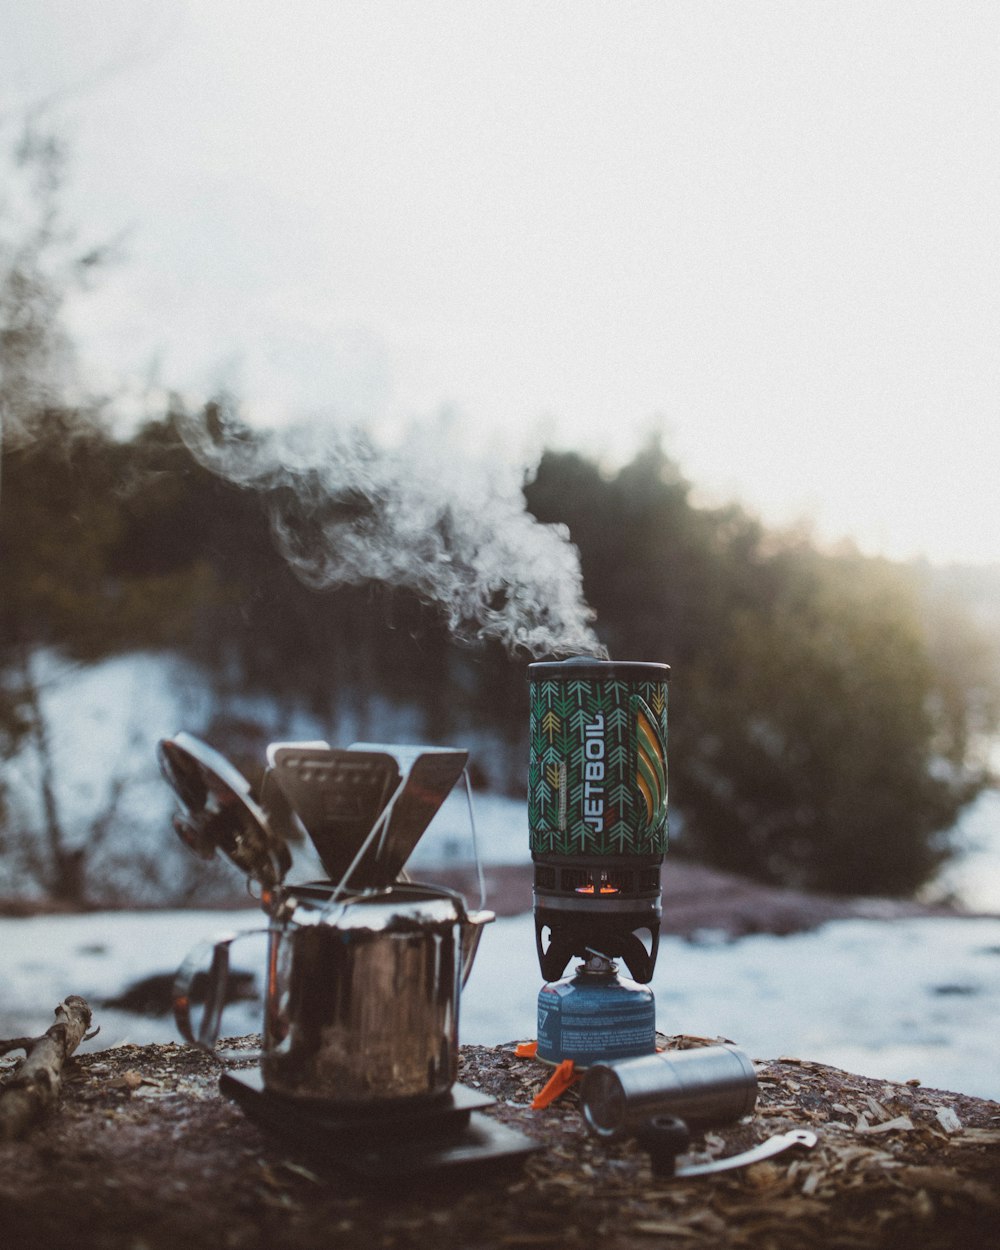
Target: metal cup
x=361, y=996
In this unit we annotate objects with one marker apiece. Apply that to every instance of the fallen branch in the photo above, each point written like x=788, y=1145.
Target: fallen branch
x=35, y=1085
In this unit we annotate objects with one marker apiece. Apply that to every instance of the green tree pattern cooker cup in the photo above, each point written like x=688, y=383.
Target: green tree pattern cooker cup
x=597, y=774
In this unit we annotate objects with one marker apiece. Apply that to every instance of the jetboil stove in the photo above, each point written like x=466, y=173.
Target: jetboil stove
x=364, y=970
x=597, y=811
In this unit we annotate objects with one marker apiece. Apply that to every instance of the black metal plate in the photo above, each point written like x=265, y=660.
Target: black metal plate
x=407, y=1140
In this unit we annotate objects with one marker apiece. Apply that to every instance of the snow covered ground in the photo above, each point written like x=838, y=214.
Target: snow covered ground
x=901, y=999
x=974, y=876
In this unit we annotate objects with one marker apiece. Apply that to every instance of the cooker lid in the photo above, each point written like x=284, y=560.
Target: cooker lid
x=218, y=811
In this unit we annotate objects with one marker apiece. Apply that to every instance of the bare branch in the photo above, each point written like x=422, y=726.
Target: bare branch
x=17, y=1043
x=35, y=1086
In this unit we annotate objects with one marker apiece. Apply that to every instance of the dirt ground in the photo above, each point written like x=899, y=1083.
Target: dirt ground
x=144, y=1153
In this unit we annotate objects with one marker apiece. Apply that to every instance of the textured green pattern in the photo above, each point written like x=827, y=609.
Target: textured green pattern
x=575, y=810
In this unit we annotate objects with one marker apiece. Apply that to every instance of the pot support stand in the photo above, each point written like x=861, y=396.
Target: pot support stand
x=392, y=1140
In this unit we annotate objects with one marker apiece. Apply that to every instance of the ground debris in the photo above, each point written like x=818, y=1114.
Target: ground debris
x=901, y=1124
x=114, y=1168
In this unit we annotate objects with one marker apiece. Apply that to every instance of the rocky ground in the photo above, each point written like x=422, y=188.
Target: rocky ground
x=143, y=1153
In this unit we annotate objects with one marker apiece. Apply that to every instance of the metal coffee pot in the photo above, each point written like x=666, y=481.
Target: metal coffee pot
x=362, y=981
x=361, y=997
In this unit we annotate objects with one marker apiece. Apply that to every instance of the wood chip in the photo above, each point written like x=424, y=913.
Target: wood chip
x=765, y=1175
x=811, y=1183
x=533, y=1239
x=922, y=1205
x=947, y=1117
x=877, y=1110
x=662, y=1228
x=700, y=1222
x=980, y=1137
x=944, y=1180
x=901, y=1124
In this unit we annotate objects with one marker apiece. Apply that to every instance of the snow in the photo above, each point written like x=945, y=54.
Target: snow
x=974, y=877
x=102, y=723
x=894, y=1000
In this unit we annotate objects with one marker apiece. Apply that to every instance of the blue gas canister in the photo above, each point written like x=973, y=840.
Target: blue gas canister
x=595, y=1016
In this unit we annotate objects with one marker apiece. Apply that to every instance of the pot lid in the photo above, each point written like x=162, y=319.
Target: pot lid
x=400, y=908
x=218, y=811
x=587, y=667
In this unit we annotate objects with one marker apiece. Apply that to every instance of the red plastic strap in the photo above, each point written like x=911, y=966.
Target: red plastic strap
x=559, y=1082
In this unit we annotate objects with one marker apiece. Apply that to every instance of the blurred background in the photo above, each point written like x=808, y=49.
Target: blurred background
x=354, y=355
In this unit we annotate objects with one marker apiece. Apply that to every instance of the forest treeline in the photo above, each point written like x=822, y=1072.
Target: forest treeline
x=829, y=713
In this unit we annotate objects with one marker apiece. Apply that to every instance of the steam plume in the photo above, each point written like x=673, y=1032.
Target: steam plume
x=424, y=515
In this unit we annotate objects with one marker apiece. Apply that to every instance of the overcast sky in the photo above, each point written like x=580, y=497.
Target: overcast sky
x=770, y=227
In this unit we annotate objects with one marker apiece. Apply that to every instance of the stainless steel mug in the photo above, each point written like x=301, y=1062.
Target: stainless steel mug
x=361, y=995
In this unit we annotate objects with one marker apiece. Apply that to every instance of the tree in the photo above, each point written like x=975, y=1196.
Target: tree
x=34, y=351
x=826, y=725
x=814, y=740
x=59, y=508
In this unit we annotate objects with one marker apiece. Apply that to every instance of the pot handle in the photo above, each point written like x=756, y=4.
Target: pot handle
x=472, y=931
x=217, y=981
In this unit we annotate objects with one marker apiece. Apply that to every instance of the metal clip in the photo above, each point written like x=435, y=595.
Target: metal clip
x=773, y=1146
x=666, y=1137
